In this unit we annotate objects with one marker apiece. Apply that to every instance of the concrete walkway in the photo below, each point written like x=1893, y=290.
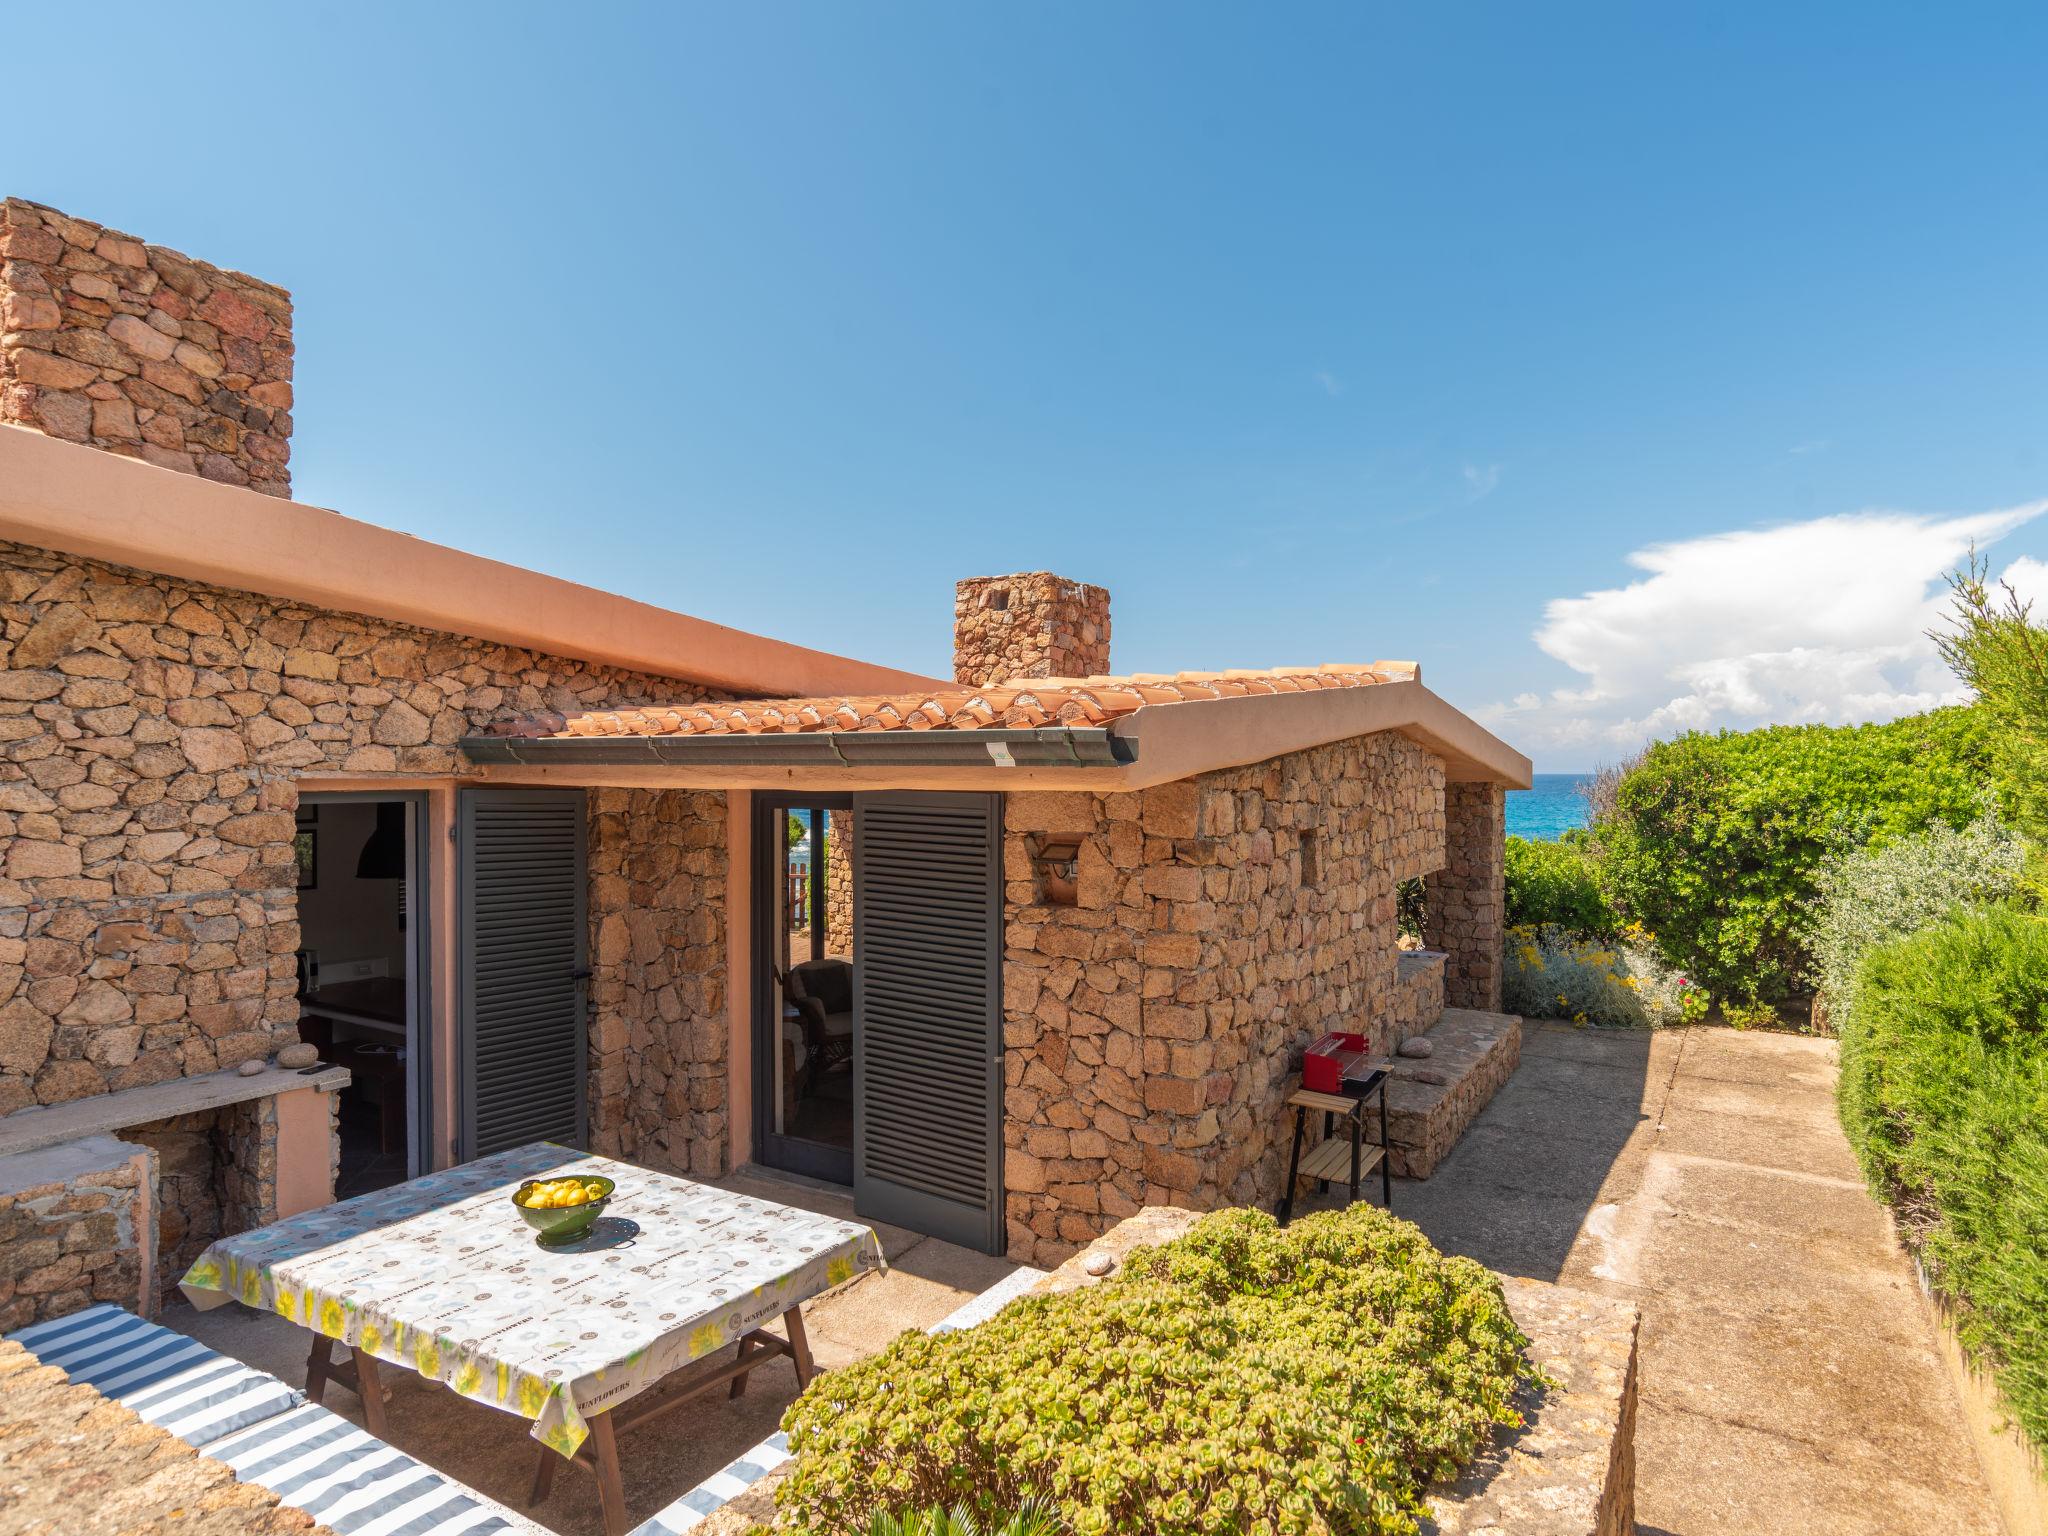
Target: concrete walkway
x=1789, y=1381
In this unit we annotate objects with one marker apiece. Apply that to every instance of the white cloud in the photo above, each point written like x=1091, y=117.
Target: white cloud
x=1332, y=385
x=1823, y=621
x=1480, y=480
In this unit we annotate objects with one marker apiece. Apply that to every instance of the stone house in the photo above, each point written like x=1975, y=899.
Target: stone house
x=511, y=855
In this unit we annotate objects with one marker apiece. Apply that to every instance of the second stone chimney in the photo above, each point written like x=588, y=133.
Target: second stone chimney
x=1033, y=624
x=139, y=351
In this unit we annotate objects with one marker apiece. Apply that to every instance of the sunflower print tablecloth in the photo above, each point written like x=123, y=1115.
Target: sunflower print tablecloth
x=442, y=1276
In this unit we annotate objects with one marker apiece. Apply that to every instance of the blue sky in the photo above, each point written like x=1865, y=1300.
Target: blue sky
x=1319, y=333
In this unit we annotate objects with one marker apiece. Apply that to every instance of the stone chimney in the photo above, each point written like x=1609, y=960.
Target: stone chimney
x=1033, y=624
x=143, y=352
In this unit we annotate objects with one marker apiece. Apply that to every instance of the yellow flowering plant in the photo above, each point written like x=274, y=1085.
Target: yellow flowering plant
x=1554, y=974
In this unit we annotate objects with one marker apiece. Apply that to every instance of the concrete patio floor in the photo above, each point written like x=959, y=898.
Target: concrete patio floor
x=1789, y=1378
x=491, y=1451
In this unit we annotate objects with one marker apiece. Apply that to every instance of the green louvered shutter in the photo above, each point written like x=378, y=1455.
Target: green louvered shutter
x=523, y=946
x=927, y=1002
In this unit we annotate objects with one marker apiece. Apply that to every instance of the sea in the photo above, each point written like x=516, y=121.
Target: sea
x=1552, y=805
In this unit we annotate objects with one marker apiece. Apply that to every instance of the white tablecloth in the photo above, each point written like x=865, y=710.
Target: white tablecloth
x=442, y=1276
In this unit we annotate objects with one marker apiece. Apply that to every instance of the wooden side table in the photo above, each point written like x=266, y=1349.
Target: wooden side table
x=1349, y=1158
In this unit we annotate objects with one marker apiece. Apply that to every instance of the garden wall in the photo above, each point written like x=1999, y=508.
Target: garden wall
x=1153, y=1028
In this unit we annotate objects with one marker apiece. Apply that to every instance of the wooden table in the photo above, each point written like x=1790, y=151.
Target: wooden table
x=1350, y=1158
x=443, y=1277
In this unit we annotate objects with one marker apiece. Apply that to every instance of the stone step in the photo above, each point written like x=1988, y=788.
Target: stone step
x=1431, y=1100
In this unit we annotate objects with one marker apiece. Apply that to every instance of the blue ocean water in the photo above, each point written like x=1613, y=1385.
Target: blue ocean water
x=1552, y=805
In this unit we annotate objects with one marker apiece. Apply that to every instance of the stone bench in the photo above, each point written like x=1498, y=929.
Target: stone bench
x=1432, y=1099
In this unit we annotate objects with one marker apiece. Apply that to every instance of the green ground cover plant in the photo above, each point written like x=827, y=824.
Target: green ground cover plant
x=1032, y=1520
x=1242, y=1379
x=1944, y=1093
x=1557, y=885
x=1713, y=843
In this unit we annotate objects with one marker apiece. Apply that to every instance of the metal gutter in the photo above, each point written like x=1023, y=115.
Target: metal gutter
x=1058, y=747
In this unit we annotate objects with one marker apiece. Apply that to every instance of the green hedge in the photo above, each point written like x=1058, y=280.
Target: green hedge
x=1944, y=1092
x=1557, y=885
x=1241, y=1379
x=1714, y=842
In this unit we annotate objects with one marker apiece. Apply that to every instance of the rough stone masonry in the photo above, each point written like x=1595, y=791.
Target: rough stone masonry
x=1033, y=624
x=142, y=351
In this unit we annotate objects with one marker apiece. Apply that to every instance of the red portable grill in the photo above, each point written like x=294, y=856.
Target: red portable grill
x=1332, y=1060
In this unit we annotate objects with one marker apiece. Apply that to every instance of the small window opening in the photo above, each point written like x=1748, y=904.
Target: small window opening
x=1054, y=862
x=1311, y=857
x=999, y=600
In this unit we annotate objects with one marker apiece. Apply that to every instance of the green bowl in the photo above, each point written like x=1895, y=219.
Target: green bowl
x=564, y=1223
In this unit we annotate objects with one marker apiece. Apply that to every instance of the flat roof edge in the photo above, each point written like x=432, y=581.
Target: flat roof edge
x=86, y=502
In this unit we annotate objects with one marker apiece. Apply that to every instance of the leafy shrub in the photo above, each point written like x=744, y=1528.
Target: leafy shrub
x=1995, y=646
x=1873, y=895
x=1552, y=974
x=1555, y=885
x=1944, y=1092
x=1714, y=842
x=1241, y=1379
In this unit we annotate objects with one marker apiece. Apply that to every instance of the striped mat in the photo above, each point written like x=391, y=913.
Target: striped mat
x=168, y=1380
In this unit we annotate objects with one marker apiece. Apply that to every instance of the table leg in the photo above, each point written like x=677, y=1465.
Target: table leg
x=319, y=1367
x=739, y=1382
x=370, y=1389
x=1357, y=1151
x=1386, y=1153
x=1293, y=1169
x=543, y=1478
x=799, y=1345
x=611, y=1488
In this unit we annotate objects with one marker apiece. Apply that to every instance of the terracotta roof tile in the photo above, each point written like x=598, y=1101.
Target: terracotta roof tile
x=1020, y=703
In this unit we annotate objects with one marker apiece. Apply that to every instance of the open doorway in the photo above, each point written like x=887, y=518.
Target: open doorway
x=362, y=973
x=804, y=1032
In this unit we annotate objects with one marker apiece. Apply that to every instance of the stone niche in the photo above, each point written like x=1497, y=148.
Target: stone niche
x=143, y=352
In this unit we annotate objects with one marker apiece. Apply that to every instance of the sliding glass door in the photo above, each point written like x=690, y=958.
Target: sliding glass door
x=804, y=968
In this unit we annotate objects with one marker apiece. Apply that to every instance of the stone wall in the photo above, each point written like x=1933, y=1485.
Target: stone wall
x=1153, y=1028
x=839, y=883
x=143, y=352
x=75, y=1229
x=1033, y=624
x=1466, y=901
x=151, y=735
x=658, y=978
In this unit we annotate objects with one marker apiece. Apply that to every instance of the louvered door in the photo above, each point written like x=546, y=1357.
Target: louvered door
x=523, y=940
x=927, y=923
